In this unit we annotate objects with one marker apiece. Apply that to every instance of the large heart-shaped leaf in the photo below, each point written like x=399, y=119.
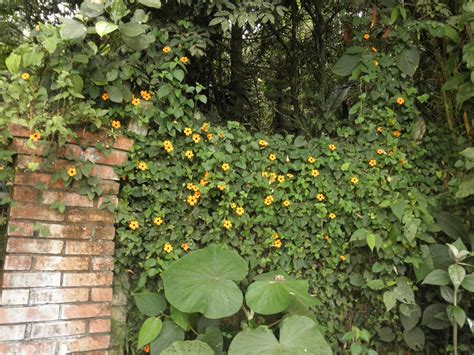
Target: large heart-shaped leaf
x=150, y=304
x=191, y=347
x=273, y=292
x=298, y=335
x=203, y=281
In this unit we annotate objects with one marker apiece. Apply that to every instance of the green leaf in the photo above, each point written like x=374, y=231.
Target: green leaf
x=213, y=338
x=170, y=333
x=346, y=64
x=149, y=331
x=150, y=304
x=459, y=315
x=468, y=153
x=386, y=334
x=178, y=74
x=403, y=291
x=151, y=3
x=104, y=28
x=180, y=318
x=447, y=293
x=300, y=141
x=433, y=316
x=389, y=300
x=398, y=208
x=452, y=225
x=371, y=241
x=456, y=274
x=77, y=83
x=360, y=234
x=72, y=29
x=191, y=347
x=115, y=94
x=375, y=284
x=437, y=277
x=50, y=44
x=298, y=335
x=415, y=338
x=13, y=63
x=408, y=60
x=132, y=29
x=203, y=281
x=468, y=282
x=273, y=292
x=410, y=314
x=466, y=188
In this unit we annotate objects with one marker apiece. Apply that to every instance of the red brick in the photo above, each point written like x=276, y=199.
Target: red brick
x=99, y=326
x=59, y=295
x=70, y=151
x=28, y=348
x=91, y=139
x=28, y=314
x=61, y=263
x=123, y=143
x=55, y=329
x=67, y=198
x=68, y=232
x=85, y=311
x=104, y=172
x=20, y=229
x=103, y=294
x=103, y=264
x=110, y=187
x=77, y=215
x=31, y=279
x=88, y=279
x=19, y=145
x=114, y=158
x=16, y=262
x=98, y=352
x=17, y=130
x=89, y=248
x=84, y=344
x=107, y=233
x=14, y=297
x=34, y=246
x=35, y=212
x=28, y=162
x=13, y=332
x=25, y=194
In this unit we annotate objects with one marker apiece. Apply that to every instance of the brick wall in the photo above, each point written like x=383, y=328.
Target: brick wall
x=57, y=290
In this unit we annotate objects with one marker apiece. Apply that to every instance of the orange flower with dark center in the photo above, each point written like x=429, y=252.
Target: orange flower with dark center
x=366, y=36
x=105, y=96
x=396, y=134
x=25, y=76
x=116, y=124
x=135, y=101
x=184, y=60
x=400, y=101
x=166, y=50
x=35, y=137
x=185, y=246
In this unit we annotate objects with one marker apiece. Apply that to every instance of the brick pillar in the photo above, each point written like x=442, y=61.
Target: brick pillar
x=57, y=290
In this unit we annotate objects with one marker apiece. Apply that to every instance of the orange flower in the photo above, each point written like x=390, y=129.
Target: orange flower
x=227, y=224
x=379, y=130
x=327, y=238
x=380, y=151
x=240, y=211
x=311, y=160
x=221, y=187
x=205, y=127
x=166, y=50
x=35, y=137
x=105, y=96
x=72, y=171
x=277, y=243
x=146, y=349
x=400, y=101
x=320, y=197
x=286, y=203
x=167, y=248
x=372, y=163
x=116, y=124
x=25, y=76
x=354, y=180
x=145, y=95
x=158, y=221
x=374, y=50
x=209, y=136
x=133, y=225
x=135, y=101
x=262, y=143
x=342, y=258
x=185, y=246
x=196, y=138
x=396, y=134
x=225, y=167
x=189, y=154
x=366, y=36
x=187, y=131
x=281, y=178
x=332, y=147
x=315, y=173
x=272, y=157
x=332, y=216
x=184, y=60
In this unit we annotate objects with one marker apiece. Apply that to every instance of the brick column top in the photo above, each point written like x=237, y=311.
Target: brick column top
x=56, y=290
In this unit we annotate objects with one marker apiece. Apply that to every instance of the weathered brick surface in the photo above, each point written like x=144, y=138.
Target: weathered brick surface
x=15, y=296
x=89, y=248
x=31, y=279
x=68, y=198
x=28, y=314
x=17, y=262
x=85, y=310
x=87, y=279
x=48, y=330
x=59, y=295
x=33, y=211
x=103, y=294
x=84, y=344
x=56, y=288
x=34, y=246
x=103, y=264
x=99, y=326
x=61, y=263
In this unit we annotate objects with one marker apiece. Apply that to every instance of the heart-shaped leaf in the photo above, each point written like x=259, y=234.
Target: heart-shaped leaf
x=273, y=292
x=298, y=335
x=150, y=304
x=203, y=281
